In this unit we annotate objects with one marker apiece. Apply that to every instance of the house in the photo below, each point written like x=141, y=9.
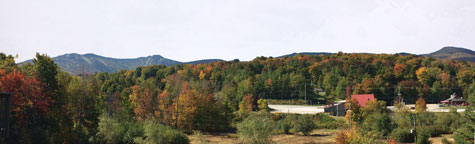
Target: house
x=454, y=100
x=338, y=108
x=363, y=98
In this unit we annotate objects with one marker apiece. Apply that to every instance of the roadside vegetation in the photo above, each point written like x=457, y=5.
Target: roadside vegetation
x=373, y=124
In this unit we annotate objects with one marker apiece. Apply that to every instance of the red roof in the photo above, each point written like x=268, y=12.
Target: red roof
x=363, y=98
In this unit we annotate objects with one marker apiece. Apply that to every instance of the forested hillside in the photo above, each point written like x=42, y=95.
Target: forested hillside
x=91, y=63
x=50, y=105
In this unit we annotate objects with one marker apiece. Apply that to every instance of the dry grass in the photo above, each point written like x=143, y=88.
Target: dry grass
x=221, y=138
x=438, y=140
x=321, y=136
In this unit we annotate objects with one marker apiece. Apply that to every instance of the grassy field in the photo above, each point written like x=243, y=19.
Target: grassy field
x=320, y=136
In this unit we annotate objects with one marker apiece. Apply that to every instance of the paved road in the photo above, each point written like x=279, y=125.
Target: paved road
x=303, y=109
x=297, y=109
x=430, y=108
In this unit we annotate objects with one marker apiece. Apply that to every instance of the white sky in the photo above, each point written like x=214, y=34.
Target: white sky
x=228, y=29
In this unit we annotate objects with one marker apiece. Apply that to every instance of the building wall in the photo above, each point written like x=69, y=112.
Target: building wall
x=336, y=110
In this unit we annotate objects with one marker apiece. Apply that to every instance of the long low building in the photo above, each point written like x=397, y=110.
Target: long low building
x=336, y=109
x=296, y=109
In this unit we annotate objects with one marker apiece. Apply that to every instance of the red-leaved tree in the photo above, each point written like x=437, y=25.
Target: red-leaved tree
x=28, y=99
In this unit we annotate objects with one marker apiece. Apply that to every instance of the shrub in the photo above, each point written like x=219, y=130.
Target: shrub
x=440, y=125
x=262, y=105
x=276, y=116
x=464, y=135
x=352, y=137
x=304, y=124
x=134, y=129
x=378, y=122
x=323, y=121
x=402, y=135
x=285, y=125
x=447, y=122
x=445, y=141
x=392, y=141
x=111, y=130
x=255, y=129
x=423, y=136
x=158, y=133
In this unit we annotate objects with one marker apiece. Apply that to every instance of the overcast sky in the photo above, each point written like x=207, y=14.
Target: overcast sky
x=243, y=29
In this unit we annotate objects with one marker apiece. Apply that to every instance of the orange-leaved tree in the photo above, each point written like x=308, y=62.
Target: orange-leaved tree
x=420, y=105
x=186, y=107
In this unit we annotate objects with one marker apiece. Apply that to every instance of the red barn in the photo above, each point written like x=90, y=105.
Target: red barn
x=363, y=98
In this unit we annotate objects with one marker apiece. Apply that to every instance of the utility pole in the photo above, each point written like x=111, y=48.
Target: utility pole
x=349, y=107
x=177, y=107
x=312, y=88
x=217, y=90
x=414, y=130
x=305, y=92
x=109, y=104
x=399, y=95
x=282, y=89
x=290, y=96
x=336, y=110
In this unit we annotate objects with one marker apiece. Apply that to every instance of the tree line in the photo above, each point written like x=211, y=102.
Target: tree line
x=52, y=106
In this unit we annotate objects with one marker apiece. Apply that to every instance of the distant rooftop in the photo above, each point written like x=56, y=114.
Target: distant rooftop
x=363, y=98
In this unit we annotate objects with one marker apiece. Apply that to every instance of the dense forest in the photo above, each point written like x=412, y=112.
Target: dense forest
x=53, y=106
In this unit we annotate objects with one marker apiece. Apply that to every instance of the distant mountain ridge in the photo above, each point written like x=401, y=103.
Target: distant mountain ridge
x=306, y=53
x=453, y=53
x=91, y=63
x=450, y=52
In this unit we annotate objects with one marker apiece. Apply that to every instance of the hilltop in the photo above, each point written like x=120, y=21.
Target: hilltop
x=454, y=53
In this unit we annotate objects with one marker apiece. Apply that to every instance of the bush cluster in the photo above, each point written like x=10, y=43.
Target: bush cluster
x=402, y=135
x=323, y=121
x=255, y=129
x=304, y=124
x=111, y=130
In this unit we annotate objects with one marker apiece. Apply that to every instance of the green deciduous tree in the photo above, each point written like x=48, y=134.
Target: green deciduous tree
x=7, y=62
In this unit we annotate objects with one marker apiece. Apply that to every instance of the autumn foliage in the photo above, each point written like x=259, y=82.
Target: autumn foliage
x=420, y=105
x=68, y=108
x=28, y=99
x=351, y=136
